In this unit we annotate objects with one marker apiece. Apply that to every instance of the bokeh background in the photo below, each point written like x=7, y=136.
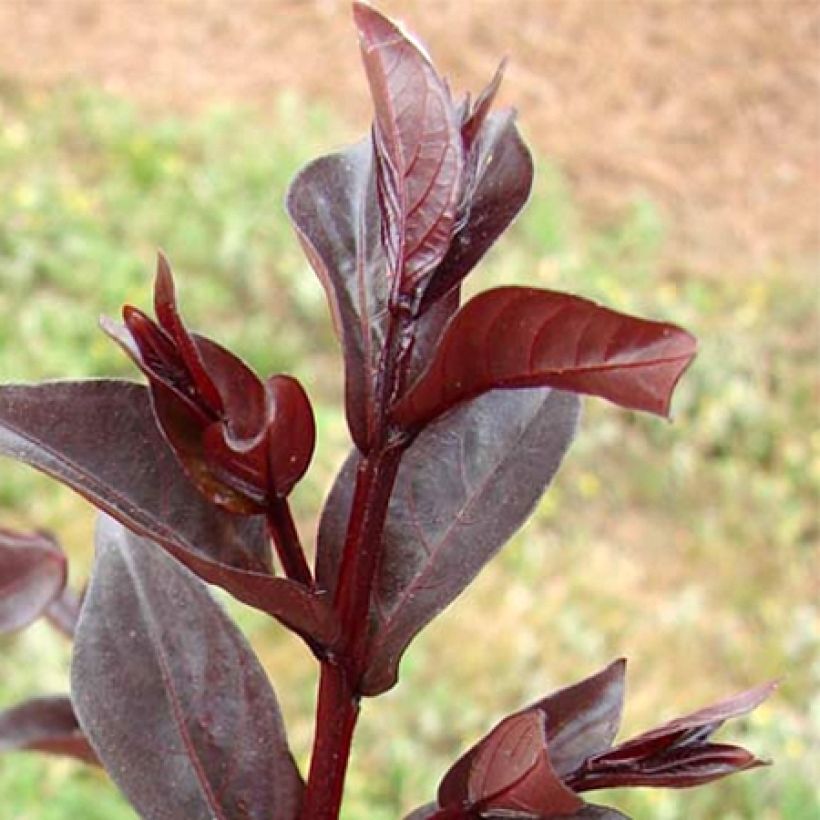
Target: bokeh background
x=678, y=155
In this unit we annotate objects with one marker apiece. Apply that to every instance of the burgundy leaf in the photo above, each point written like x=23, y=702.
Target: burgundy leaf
x=464, y=487
x=332, y=204
x=100, y=438
x=499, y=183
x=225, y=426
x=516, y=337
x=45, y=725
x=33, y=572
x=171, y=696
x=292, y=422
x=583, y=719
x=418, y=147
x=677, y=754
x=510, y=770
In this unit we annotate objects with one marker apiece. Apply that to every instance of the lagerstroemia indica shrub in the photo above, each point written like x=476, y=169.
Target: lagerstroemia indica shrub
x=459, y=416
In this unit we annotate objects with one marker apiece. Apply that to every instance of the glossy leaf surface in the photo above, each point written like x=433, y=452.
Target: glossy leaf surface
x=171, y=696
x=241, y=442
x=515, y=337
x=45, y=724
x=418, y=148
x=510, y=770
x=465, y=486
x=33, y=572
x=100, y=438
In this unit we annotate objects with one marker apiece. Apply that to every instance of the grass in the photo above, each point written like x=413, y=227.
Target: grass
x=691, y=547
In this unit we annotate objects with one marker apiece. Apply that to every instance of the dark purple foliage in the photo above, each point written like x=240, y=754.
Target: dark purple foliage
x=45, y=725
x=171, y=696
x=459, y=417
x=33, y=573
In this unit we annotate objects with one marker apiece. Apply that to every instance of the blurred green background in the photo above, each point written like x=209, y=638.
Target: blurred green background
x=690, y=547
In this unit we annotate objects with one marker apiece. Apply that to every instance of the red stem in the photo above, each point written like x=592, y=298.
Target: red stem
x=286, y=539
x=338, y=702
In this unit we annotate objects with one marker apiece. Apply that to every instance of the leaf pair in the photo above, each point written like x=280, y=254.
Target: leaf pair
x=33, y=572
x=533, y=764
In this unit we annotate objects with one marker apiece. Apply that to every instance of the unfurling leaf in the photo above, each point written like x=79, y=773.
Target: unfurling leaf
x=171, y=696
x=419, y=151
x=678, y=754
x=100, y=438
x=464, y=487
x=45, y=724
x=500, y=173
x=510, y=771
x=515, y=337
x=33, y=571
x=241, y=442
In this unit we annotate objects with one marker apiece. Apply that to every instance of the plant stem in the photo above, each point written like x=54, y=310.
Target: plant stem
x=337, y=708
x=286, y=539
x=336, y=714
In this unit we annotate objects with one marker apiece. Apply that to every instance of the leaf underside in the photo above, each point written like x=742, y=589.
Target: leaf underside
x=465, y=486
x=171, y=696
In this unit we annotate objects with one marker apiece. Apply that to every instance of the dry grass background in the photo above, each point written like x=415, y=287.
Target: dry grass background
x=709, y=107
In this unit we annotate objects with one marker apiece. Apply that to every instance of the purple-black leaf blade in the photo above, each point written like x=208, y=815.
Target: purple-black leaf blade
x=171, y=696
x=515, y=337
x=499, y=185
x=33, y=571
x=100, y=438
x=45, y=724
x=467, y=483
x=418, y=146
x=332, y=205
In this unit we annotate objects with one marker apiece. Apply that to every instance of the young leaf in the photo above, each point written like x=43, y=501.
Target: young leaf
x=332, y=204
x=510, y=771
x=171, y=696
x=583, y=719
x=100, y=438
x=418, y=147
x=464, y=487
x=230, y=431
x=677, y=754
x=514, y=337
x=500, y=180
x=33, y=572
x=45, y=725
